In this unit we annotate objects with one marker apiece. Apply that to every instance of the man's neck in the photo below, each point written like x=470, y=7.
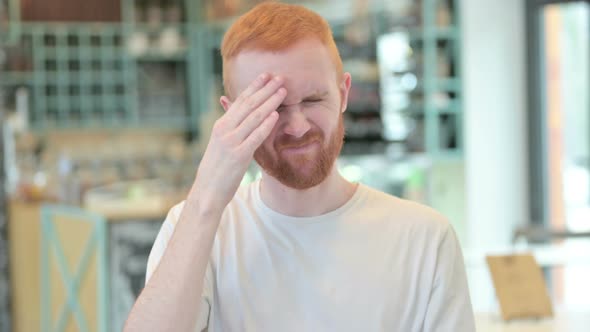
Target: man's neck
x=329, y=195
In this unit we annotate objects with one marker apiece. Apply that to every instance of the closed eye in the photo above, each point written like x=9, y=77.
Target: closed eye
x=312, y=100
x=306, y=101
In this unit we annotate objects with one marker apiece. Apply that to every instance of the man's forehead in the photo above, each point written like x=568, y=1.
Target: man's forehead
x=301, y=67
x=298, y=84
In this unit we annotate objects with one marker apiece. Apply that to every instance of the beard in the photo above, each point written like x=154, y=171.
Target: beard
x=305, y=170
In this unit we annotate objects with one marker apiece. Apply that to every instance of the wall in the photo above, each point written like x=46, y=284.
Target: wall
x=495, y=119
x=493, y=33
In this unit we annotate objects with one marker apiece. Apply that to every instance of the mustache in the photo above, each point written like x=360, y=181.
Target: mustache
x=287, y=142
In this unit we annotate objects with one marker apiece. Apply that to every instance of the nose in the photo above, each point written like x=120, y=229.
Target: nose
x=295, y=122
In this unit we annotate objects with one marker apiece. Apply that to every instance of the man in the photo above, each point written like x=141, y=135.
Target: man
x=302, y=249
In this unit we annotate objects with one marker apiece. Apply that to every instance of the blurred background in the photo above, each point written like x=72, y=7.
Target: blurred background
x=478, y=108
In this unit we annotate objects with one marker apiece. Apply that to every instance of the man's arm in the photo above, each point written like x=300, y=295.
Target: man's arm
x=172, y=296
x=170, y=301
x=449, y=307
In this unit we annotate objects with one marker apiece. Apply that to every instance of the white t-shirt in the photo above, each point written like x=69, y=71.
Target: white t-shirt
x=377, y=263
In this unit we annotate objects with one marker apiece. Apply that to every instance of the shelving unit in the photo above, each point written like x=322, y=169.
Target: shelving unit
x=92, y=75
x=120, y=75
x=166, y=65
x=81, y=76
x=427, y=114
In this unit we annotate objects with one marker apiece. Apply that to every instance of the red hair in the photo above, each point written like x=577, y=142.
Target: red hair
x=273, y=26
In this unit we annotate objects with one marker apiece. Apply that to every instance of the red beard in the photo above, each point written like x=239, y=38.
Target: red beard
x=306, y=170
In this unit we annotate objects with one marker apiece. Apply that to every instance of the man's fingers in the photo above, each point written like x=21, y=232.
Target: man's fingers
x=251, y=98
x=256, y=117
x=256, y=137
x=256, y=85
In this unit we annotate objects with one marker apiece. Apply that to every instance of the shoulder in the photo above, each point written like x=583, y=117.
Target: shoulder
x=243, y=199
x=402, y=212
x=162, y=239
x=243, y=196
x=174, y=213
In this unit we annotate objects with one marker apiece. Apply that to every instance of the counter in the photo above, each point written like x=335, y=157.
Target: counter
x=562, y=322
x=130, y=238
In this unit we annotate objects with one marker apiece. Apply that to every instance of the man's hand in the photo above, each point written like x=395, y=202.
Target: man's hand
x=173, y=294
x=234, y=139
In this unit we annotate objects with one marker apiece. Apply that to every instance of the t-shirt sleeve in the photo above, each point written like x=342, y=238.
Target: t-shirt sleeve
x=158, y=249
x=449, y=307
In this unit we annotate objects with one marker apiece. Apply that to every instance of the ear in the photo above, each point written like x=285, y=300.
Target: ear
x=344, y=89
x=225, y=102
